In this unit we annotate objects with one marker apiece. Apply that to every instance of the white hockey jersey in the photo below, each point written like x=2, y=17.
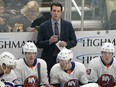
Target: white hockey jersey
x=96, y=68
x=58, y=75
x=23, y=71
x=11, y=77
x=91, y=85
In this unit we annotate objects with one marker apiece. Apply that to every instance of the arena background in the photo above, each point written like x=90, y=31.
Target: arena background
x=88, y=43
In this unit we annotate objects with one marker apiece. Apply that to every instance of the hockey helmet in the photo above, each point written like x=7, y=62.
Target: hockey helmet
x=65, y=54
x=108, y=47
x=29, y=47
x=7, y=58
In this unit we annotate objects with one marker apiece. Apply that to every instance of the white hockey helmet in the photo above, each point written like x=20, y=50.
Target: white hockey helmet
x=108, y=47
x=65, y=54
x=29, y=47
x=7, y=58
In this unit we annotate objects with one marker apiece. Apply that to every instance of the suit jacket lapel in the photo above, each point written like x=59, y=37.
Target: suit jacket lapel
x=50, y=30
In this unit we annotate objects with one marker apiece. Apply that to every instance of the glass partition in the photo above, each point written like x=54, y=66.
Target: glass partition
x=18, y=15
x=111, y=14
x=94, y=14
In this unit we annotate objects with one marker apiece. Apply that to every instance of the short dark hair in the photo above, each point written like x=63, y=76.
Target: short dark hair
x=56, y=4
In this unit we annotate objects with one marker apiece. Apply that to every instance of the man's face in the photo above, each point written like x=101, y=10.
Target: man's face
x=63, y=64
x=56, y=13
x=107, y=57
x=30, y=57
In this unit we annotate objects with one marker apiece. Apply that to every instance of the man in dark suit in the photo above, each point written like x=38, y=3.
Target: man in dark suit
x=48, y=36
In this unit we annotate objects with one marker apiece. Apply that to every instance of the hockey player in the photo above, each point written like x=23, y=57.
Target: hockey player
x=67, y=73
x=31, y=72
x=7, y=63
x=103, y=69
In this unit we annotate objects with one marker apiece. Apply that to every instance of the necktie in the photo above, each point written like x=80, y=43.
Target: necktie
x=56, y=29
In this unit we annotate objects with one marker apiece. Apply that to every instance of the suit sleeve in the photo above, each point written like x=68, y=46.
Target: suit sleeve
x=38, y=21
x=41, y=41
x=72, y=37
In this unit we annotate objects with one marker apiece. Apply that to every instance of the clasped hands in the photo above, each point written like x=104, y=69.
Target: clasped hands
x=55, y=38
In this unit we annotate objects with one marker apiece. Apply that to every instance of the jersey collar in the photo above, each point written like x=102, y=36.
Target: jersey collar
x=107, y=64
x=35, y=62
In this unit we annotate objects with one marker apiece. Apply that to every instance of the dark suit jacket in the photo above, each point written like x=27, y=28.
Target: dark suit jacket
x=67, y=34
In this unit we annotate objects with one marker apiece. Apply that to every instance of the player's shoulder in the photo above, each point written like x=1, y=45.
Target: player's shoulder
x=95, y=60
x=114, y=61
x=56, y=67
x=55, y=70
x=40, y=60
x=79, y=66
x=95, y=63
x=78, y=63
x=19, y=61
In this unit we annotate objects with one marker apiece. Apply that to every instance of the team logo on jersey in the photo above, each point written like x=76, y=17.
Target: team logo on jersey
x=72, y=83
x=106, y=80
x=31, y=81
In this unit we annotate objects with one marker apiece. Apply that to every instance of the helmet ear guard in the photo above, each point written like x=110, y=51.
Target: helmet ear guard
x=108, y=47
